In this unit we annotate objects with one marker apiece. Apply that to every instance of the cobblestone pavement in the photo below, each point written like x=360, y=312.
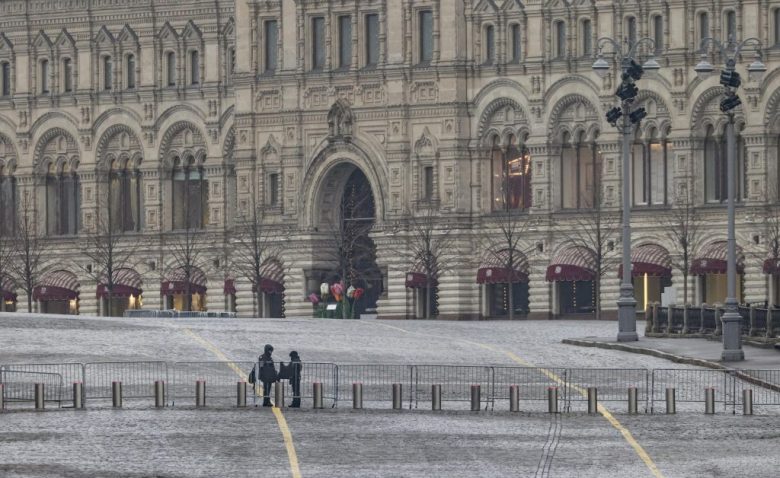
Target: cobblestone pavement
x=224, y=442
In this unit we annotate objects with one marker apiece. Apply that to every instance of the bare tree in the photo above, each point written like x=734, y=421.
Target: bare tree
x=7, y=254
x=430, y=247
x=597, y=230
x=253, y=247
x=107, y=249
x=187, y=250
x=682, y=226
x=28, y=248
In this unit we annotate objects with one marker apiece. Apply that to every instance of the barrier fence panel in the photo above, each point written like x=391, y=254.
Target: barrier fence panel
x=137, y=379
x=689, y=388
x=612, y=386
x=70, y=372
x=377, y=383
x=19, y=386
x=325, y=373
x=533, y=383
x=220, y=377
x=765, y=385
x=455, y=381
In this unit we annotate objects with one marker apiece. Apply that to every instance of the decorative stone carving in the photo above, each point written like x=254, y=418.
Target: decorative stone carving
x=340, y=119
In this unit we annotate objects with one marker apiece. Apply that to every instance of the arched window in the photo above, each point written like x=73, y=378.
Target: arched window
x=63, y=203
x=658, y=33
x=515, y=43
x=587, y=38
x=108, y=73
x=730, y=24
x=190, y=195
x=704, y=27
x=67, y=75
x=580, y=173
x=194, y=67
x=511, y=173
x=490, y=44
x=650, y=159
x=130, y=74
x=44, y=76
x=124, y=197
x=560, y=39
x=631, y=30
x=170, y=68
x=8, y=202
x=5, y=78
x=716, y=167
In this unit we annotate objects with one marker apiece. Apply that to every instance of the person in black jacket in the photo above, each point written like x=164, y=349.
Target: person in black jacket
x=267, y=373
x=295, y=369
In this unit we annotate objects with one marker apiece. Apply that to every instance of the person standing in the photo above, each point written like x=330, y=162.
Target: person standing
x=295, y=369
x=267, y=373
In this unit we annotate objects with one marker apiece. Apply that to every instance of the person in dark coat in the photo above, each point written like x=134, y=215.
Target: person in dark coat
x=267, y=373
x=295, y=369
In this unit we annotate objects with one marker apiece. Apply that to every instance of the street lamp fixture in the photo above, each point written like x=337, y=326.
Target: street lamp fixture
x=631, y=72
x=730, y=79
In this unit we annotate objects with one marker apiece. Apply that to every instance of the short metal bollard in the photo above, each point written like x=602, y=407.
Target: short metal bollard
x=593, y=400
x=159, y=393
x=397, y=397
x=747, y=402
x=39, y=401
x=357, y=395
x=475, y=398
x=552, y=399
x=241, y=394
x=279, y=394
x=200, y=393
x=633, y=402
x=709, y=401
x=116, y=394
x=78, y=395
x=671, y=401
x=436, y=397
x=317, y=393
x=514, y=398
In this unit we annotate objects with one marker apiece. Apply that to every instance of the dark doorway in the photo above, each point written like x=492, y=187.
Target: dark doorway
x=576, y=297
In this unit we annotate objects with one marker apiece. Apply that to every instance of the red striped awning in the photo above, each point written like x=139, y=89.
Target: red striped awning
x=772, y=266
x=176, y=282
x=713, y=257
x=127, y=282
x=7, y=289
x=496, y=268
x=573, y=263
x=272, y=277
x=57, y=285
x=650, y=259
x=418, y=279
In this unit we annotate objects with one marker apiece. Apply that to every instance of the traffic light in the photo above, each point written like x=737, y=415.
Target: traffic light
x=729, y=103
x=635, y=71
x=627, y=91
x=730, y=78
x=614, y=115
x=637, y=115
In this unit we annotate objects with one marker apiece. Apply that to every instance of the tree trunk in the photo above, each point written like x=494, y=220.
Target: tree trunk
x=685, y=286
x=29, y=303
x=428, y=298
x=511, y=302
x=597, y=295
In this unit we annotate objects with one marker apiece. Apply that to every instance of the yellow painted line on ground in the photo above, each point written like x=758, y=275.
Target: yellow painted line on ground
x=640, y=451
x=292, y=456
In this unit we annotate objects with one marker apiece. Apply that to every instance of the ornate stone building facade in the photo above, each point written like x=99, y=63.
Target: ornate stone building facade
x=192, y=113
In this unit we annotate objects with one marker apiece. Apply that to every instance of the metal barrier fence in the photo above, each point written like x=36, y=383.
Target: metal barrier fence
x=172, y=313
x=137, y=379
x=416, y=382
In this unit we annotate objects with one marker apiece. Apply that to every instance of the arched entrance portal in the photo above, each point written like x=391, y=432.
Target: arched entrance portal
x=347, y=215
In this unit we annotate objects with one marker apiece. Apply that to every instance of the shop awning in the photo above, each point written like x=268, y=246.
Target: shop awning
x=229, y=288
x=650, y=259
x=7, y=289
x=57, y=285
x=271, y=278
x=176, y=282
x=496, y=268
x=573, y=263
x=418, y=279
x=712, y=259
x=772, y=266
x=127, y=282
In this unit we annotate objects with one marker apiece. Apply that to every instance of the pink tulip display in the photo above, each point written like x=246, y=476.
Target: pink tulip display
x=314, y=299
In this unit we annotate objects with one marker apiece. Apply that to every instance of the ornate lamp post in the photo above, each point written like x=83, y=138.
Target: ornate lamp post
x=730, y=79
x=627, y=92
